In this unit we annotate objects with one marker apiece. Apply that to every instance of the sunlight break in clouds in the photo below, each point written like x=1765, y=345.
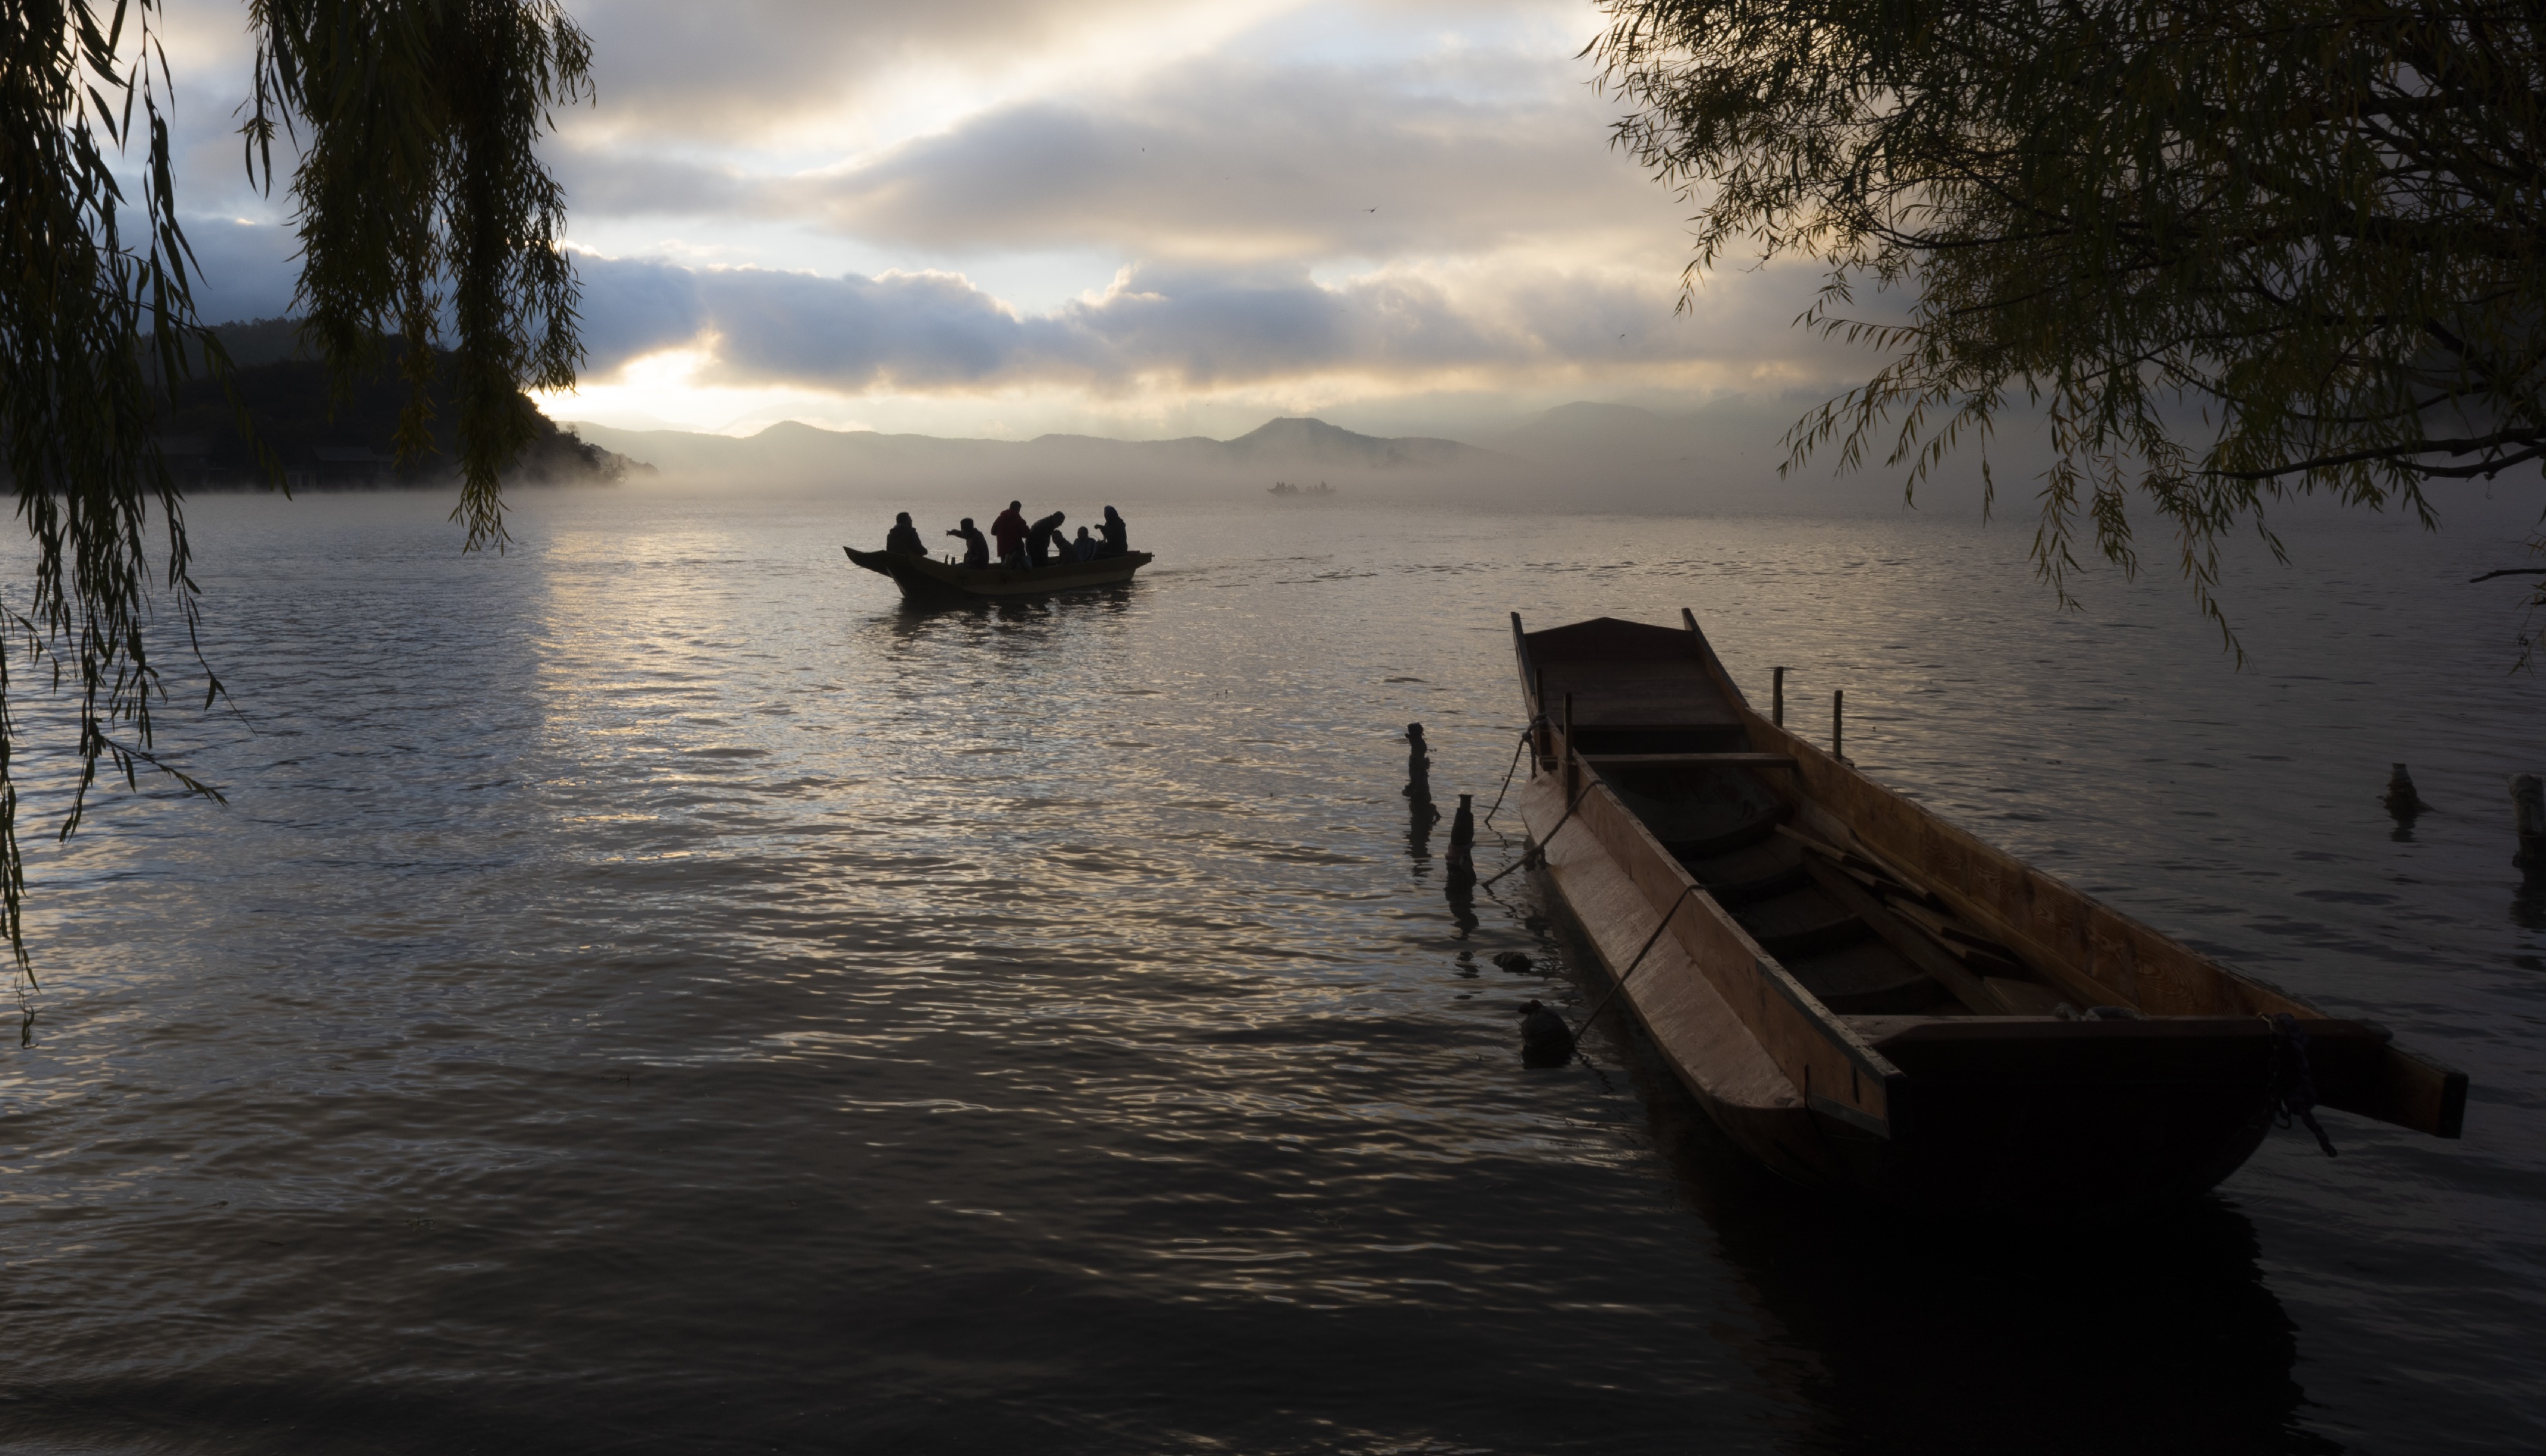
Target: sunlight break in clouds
x=1119, y=216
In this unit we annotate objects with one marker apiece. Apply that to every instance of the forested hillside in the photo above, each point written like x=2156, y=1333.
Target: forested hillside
x=324, y=442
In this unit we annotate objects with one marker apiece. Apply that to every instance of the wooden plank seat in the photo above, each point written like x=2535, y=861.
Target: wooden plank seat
x=1693, y=760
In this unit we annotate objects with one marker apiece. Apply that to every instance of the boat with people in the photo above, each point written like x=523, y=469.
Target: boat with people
x=936, y=583
x=1033, y=558
x=1865, y=997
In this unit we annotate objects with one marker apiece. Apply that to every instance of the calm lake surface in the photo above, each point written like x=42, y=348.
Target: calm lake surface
x=649, y=992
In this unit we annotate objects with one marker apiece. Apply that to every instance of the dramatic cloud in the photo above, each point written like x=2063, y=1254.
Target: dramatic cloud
x=1109, y=200
x=742, y=70
x=1300, y=163
x=1181, y=327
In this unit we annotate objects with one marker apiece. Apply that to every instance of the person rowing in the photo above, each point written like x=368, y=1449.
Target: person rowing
x=1039, y=539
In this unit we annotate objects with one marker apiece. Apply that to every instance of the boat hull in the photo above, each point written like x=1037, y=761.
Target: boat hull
x=926, y=583
x=2057, y=1114
x=1865, y=997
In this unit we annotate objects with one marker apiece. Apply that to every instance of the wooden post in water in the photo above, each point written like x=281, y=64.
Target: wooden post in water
x=2401, y=800
x=1462, y=832
x=1777, y=695
x=1838, y=724
x=2528, y=819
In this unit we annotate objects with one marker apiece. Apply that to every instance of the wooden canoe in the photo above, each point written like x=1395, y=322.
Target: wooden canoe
x=936, y=583
x=1866, y=998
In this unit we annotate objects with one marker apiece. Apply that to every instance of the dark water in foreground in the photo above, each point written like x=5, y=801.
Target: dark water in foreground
x=648, y=993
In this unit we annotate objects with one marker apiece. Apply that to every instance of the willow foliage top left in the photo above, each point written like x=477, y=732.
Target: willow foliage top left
x=429, y=230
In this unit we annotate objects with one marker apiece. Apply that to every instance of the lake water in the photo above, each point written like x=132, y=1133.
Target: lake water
x=649, y=992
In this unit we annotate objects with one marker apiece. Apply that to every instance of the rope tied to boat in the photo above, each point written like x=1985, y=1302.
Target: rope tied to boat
x=1539, y=851
x=1525, y=735
x=2294, y=1086
x=1618, y=984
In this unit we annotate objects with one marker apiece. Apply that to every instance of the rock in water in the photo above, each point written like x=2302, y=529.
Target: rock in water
x=1545, y=1038
x=1516, y=961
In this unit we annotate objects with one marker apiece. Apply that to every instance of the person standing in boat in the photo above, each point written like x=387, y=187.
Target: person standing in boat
x=1039, y=539
x=905, y=537
x=1010, y=529
x=977, y=552
x=1117, y=533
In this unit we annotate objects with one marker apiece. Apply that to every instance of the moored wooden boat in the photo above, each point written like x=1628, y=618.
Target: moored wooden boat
x=936, y=583
x=1866, y=998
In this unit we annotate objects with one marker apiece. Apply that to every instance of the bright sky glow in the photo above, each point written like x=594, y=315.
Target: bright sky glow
x=1117, y=217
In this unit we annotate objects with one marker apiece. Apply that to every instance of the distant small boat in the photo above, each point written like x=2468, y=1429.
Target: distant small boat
x=1285, y=487
x=1866, y=998
x=937, y=583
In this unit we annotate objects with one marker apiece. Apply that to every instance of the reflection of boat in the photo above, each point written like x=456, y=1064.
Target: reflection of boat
x=1864, y=997
x=937, y=582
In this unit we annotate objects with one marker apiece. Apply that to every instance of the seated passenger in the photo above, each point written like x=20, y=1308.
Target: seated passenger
x=905, y=537
x=1117, y=533
x=1038, y=540
x=1083, y=548
x=976, y=551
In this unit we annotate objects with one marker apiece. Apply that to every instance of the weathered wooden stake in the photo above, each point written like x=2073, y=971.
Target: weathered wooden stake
x=1777, y=695
x=1838, y=724
x=2528, y=819
x=1463, y=825
x=2399, y=798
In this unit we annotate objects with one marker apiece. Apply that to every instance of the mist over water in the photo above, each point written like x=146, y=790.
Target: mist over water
x=649, y=992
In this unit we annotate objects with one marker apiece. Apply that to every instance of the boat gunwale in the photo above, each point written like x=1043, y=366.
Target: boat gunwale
x=2405, y=1087
x=1628, y=841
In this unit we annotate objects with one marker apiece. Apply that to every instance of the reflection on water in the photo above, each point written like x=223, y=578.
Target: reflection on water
x=654, y=992
x=1890, y=1333
x=2528, y=906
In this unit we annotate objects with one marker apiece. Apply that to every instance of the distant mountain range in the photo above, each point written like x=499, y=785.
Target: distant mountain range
x=1613, y=443
x=791, y=451
x=1584, y=450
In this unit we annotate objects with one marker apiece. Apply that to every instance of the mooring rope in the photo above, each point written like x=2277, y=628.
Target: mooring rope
x=1616, y=985
x=1525, y=735
x=1541, y=850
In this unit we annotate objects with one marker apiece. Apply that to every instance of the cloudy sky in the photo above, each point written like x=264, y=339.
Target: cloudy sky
x=1135, y=217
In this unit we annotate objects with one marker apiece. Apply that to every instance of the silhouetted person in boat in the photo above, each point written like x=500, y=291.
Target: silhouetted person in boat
x=977, y=552
x=1010, y=529
x=905, y=537
x=1117, y=533
x=1084, y=548
x=1038, y=540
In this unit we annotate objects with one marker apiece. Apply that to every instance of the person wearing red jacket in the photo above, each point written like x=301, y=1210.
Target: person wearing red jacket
x=1010, y=530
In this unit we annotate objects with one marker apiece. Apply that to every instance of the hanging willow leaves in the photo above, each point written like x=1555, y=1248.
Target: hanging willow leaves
x=2231, y=251
x=420, y=194
x=422, y=210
